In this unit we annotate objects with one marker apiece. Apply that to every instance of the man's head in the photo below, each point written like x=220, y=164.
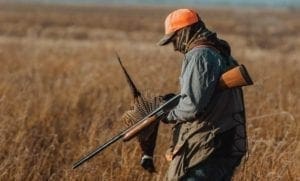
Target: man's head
x=178, y=28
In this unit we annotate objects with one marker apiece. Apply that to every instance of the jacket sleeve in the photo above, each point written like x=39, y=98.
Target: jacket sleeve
x=199, y=80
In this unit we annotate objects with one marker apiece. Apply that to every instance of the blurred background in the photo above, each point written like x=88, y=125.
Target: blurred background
x=62, y=92
x=257, y=3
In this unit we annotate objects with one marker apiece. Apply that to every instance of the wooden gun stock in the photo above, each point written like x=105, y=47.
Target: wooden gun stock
x=235, y=77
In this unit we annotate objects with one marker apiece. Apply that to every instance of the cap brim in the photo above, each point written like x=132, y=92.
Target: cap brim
x=166, y=39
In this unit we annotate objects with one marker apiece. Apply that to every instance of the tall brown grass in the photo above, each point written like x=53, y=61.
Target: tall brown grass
x=62, y=91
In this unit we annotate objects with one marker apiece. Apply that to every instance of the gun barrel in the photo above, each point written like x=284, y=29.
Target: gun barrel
x=97, y=150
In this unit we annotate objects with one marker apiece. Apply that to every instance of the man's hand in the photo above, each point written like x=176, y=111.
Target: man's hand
x=166, y=98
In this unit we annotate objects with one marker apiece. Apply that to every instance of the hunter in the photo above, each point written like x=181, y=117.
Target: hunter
x=209, y=133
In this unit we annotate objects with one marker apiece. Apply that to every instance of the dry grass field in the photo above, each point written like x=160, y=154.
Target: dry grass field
x=62, y=91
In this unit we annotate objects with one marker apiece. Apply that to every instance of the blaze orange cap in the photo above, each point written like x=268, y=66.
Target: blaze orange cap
x=176, y=20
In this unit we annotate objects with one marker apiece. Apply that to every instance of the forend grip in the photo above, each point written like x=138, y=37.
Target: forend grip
x=138, y=128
